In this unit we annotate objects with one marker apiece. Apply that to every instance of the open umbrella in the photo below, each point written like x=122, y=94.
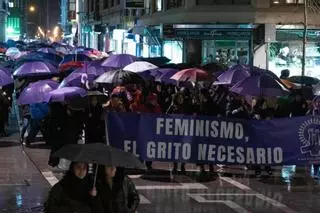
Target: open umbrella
x=36, y=92
x=79, y=103
x=140, y=66
x=306, y=80
x=5, y=77
x=12, y=52
x=65, y=94
x=214, y=67
x=260, y=85
x=35, y=68
x=119, y=77
x=75, y=57
x=165, y=75
x=232, y=76
x=47, y=50
x=100, y=154
x=192, y=75
x=78, y=79
x=119, y=61
x=158, y=61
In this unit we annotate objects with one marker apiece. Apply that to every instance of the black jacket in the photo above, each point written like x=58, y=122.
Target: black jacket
x=122, y=198
x=69, y=196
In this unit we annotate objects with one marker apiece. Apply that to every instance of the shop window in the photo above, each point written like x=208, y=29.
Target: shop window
x=223, y=2
x=175, y=3
x=158, y=5
x=228, y=52
x=275, y=2
x=105, y=4
x=173, y=50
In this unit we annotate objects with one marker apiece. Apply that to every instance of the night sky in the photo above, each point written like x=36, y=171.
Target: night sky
x=41, y=13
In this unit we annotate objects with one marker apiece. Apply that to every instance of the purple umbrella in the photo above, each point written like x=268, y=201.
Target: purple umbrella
x=233, y=75
x=165, y=76
x=260, y=85
x=119, y=61
x=35, y=68
x=65, y=94
x=36, y=92
x=5, y=79
x=78, y=79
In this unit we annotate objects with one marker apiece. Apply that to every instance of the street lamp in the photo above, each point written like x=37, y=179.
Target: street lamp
x=32, y=9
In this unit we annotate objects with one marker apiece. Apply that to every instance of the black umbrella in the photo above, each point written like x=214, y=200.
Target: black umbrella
x=158, y=61
x=214, y=67
x=304, y=80
x=80, y=103
x=119, y=77
x=100, y=154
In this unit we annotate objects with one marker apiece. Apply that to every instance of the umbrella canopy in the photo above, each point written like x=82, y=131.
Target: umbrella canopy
x=233, y=76
x=119, y=61
x=84, y=102
x=158, y=61
x=119, y=77
x=304, y=80
x=35, y=68
x=47, y=50
x=78, y=79
x=165, y=76
x=192, y=75
x=289, y=84
x=65, y=94
x=5, y=77
x=214, y=67
x=75, y=57
x=12, y=52
x=260, y=85
x=36, y=92
x=70, y=66
x=140, y=66
x=100, y=154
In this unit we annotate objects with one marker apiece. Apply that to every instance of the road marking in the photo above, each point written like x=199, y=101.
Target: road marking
x=236, y=207
x=49, y=176
x=273, y=202
x=235, y=183
x=144, y=200
x=181, y=186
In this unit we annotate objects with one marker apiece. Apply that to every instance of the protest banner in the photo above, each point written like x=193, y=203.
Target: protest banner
x=183, y=138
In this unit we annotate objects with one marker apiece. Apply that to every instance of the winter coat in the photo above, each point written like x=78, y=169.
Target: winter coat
x=94, y=125
x=39, y=111
x=70, y=195
x=122, y=198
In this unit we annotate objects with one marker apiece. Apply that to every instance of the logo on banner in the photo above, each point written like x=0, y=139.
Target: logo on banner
x=309, y=136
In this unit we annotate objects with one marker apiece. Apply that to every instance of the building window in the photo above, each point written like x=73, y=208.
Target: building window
x=158, y=6
x=92, y=6
x=119, y=2
x=223, y=2
x=105, y=4
x=112, y=3
x=287, y=1
x=175, y=3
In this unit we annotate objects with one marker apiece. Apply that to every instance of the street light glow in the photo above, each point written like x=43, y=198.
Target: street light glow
x=32, y=8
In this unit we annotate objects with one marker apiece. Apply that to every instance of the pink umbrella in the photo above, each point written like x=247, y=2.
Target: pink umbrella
x=192, y=74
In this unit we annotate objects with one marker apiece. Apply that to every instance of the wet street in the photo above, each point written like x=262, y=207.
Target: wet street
x=25, y=179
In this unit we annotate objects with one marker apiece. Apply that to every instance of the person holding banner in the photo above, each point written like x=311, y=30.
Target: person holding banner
x=179, y=106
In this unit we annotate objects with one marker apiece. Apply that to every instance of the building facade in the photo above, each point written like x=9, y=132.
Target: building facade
x=266, y=33
x=16, y=25
x=3, y=19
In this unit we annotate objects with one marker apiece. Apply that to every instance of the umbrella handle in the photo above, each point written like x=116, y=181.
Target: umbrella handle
x=95, y=176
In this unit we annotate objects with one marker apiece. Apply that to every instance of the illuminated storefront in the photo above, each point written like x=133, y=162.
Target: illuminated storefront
x=286, y=53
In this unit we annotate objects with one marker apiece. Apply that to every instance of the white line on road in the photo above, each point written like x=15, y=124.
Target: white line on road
x=181, y=186
x=273, y=202
x=236, y=207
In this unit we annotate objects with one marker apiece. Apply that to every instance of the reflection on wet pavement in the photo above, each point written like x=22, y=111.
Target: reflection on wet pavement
x=229, y=190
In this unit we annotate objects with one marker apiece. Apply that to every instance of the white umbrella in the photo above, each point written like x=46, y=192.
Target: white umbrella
x=140, y=66
x=13, y=52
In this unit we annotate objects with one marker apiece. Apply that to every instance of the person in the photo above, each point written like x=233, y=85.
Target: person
x=115, y=104
x=72, y=193
x=94, y=123
x=38, y=112
x=4, y=112
x=116, y=193
x=298, y=106
x=285, y=74
x=178, y=106
x=26, y=121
